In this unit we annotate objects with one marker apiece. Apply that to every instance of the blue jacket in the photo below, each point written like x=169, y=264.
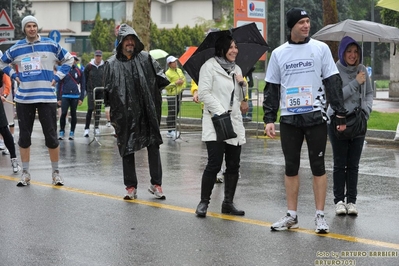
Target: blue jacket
x=68, y=87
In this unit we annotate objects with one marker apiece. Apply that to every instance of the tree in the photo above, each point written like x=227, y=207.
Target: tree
x=102, y=36
x=331, y=17
x=142, y=21
x=20, y=9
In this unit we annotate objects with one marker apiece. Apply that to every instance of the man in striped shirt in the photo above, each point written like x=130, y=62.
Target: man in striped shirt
x=33, y=59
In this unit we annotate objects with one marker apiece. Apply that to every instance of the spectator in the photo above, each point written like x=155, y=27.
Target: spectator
x=357, y=90
x=36, y=91
x=8, y=138
x=248, y=116
x=70, y=94
x=295, y=76
x=133, y=90
x=93, y=75
x=215, y=89
x=174, y=92
x=6, y=92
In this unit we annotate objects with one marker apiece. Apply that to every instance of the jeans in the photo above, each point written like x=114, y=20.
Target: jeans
x=346, y=155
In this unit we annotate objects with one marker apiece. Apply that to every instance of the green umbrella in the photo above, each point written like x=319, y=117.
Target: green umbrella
x=158, y=53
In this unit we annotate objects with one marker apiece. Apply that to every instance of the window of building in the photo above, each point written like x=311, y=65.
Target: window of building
x=88, y=10
x=166, y=14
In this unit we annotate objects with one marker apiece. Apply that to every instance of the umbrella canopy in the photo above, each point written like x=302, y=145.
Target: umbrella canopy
x=359, y=30
x=187, y=54
x=250, y=43
x=158, y=53
x=390, y=4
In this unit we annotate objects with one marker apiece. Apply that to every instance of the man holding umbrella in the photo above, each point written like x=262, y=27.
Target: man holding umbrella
x=301, y=77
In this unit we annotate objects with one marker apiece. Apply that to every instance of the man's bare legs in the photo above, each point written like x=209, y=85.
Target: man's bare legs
x=320, y=191
x=291, y=191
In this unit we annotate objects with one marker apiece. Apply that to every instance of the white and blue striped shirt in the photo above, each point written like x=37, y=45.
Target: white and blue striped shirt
x=34, y=66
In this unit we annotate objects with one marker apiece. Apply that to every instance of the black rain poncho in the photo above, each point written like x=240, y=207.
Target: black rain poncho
x=132, y=88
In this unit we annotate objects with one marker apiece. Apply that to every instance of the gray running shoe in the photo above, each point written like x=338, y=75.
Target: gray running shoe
x=340, y=208
x=57, y=179
x=285, y=223
x=25, y=179
x=131, y=193
x=321, y=224
x=156, y=190
x=352, y=208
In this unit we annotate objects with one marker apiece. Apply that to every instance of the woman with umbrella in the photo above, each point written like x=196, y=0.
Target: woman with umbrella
x=220, y=88
x=357, y=90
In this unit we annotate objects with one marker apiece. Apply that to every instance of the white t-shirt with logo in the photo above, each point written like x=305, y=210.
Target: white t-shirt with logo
x=300, y=69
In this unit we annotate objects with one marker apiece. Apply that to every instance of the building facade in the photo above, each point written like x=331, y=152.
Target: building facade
x=75, y=19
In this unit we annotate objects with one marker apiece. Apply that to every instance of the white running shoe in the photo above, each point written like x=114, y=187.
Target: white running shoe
x=130, y=194
x=15, y=166
x=156, y=190
x=352, y=209
x=340, y=208
x=25, y=179
x=57, y=179
x=97, y=132
x=285, y=223
x=86, y=134
x=321, y=224
x=171, y=134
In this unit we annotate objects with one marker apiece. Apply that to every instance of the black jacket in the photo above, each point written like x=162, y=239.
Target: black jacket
x=132, y=88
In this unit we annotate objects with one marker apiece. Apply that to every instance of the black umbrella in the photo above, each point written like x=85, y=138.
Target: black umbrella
x=250, y=43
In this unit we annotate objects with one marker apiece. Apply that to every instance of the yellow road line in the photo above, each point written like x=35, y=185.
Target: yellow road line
x=215, y=215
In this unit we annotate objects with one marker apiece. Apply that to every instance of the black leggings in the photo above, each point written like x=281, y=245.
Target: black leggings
x=8, y=141
x=291, y=142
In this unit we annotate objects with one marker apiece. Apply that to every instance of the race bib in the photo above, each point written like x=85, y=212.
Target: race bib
x=299, y=99
x=31, y=66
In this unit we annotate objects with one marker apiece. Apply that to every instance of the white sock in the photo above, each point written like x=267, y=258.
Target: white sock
x=319, y=212
x=292, y=213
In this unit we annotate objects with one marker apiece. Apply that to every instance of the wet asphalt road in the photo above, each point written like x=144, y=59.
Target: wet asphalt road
x=87, y=222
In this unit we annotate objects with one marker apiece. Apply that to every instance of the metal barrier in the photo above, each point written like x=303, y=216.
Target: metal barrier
x=171, y=101
x=103, y=130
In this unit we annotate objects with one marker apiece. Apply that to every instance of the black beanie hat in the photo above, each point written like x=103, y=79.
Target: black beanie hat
x=294, y=15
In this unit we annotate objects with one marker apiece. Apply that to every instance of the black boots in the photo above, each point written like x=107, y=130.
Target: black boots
x=202, y=208
x=206, y=190
x=230, y=184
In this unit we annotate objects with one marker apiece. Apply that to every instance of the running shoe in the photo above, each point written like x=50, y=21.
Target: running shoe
x=340, y=208
x=57, y=179
x=321, y=224
x=285, y=223
x=15, y=166
x=5, y=152
x=219, y=177
x=61, y=136
x=108, y=124
x=352, y=208
x=156, y=190
x=25, y=179
x=97, y=132
x=86, y=134
x=130, y=194
x=71, y=135
x=171, y=134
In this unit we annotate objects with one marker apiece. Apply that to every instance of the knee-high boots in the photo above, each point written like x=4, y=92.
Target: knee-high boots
x=207, y=184
x=230, y=185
